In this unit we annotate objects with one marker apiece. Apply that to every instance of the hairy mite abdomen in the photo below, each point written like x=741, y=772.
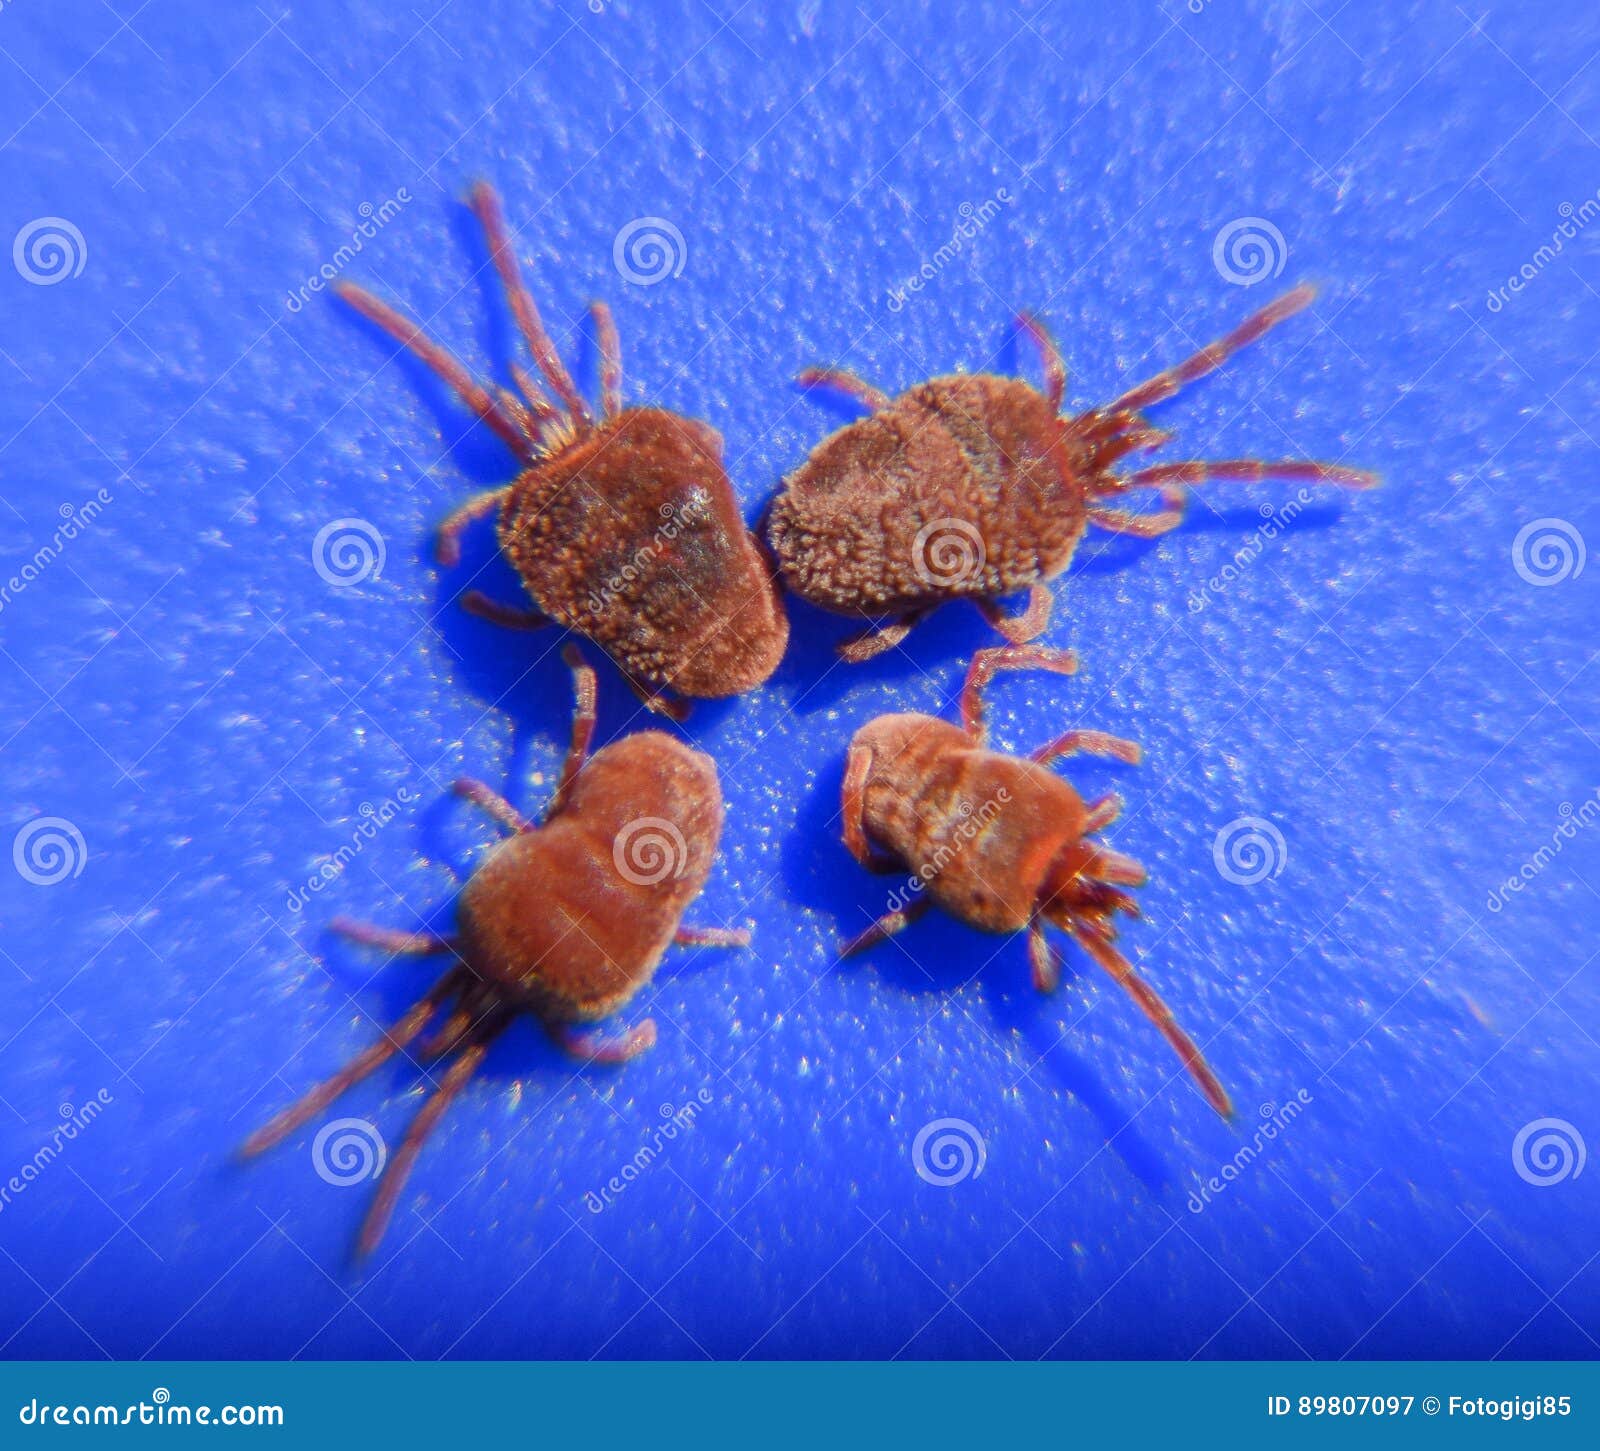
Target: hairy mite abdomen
x=573, y=917
x=983, y=829
x=856, y=527
x=632, y=535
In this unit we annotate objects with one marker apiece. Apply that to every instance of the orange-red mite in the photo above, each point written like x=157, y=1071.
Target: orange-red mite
x=624, y=528
x=975, y=487
x=566, y=921
x=1001, y=842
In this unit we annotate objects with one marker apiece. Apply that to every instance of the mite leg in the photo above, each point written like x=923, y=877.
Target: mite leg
x=405, y=944
x=1249, y=471
x=879, y=638
x=1212, y=357
x=583, y=717
x=490, y=801
x=593, y=1048
x=849, y=384
x=858, y=763
x=1101, y=813
x=986, y=663
x=712, y=937
x=885, y=927
x=447, y=542
x=393, y=1041
x=605, y=328
x=1143, y=526
x=538, y=401
x=427, y=1119
x=445, y=364
x=510, y=617
x=1107, y=865
x=487, y=206
x=652, y=698
x=1045, y=960
x=1055, y=371
x=1092, y=940
x=1022, y=627
x=1093, y=743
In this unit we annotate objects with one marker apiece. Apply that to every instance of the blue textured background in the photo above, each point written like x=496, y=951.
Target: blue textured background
x=1381, y=684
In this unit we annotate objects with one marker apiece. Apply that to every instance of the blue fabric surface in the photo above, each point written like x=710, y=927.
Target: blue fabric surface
x=217, y=723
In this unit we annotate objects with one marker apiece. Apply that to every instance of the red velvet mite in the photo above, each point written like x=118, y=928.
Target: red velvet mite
x=624, y=528
x=974, y=487
x=566, y=921
x=999, y=841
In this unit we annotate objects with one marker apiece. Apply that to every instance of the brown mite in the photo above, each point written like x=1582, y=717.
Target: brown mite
x=975, y=487
x=566, y=921
x=624, y=528
x=999, y=841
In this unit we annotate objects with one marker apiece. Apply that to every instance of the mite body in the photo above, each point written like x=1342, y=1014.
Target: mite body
x=623, y=528
x=566, y=921
x=976, y=487
x=1001, y=842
